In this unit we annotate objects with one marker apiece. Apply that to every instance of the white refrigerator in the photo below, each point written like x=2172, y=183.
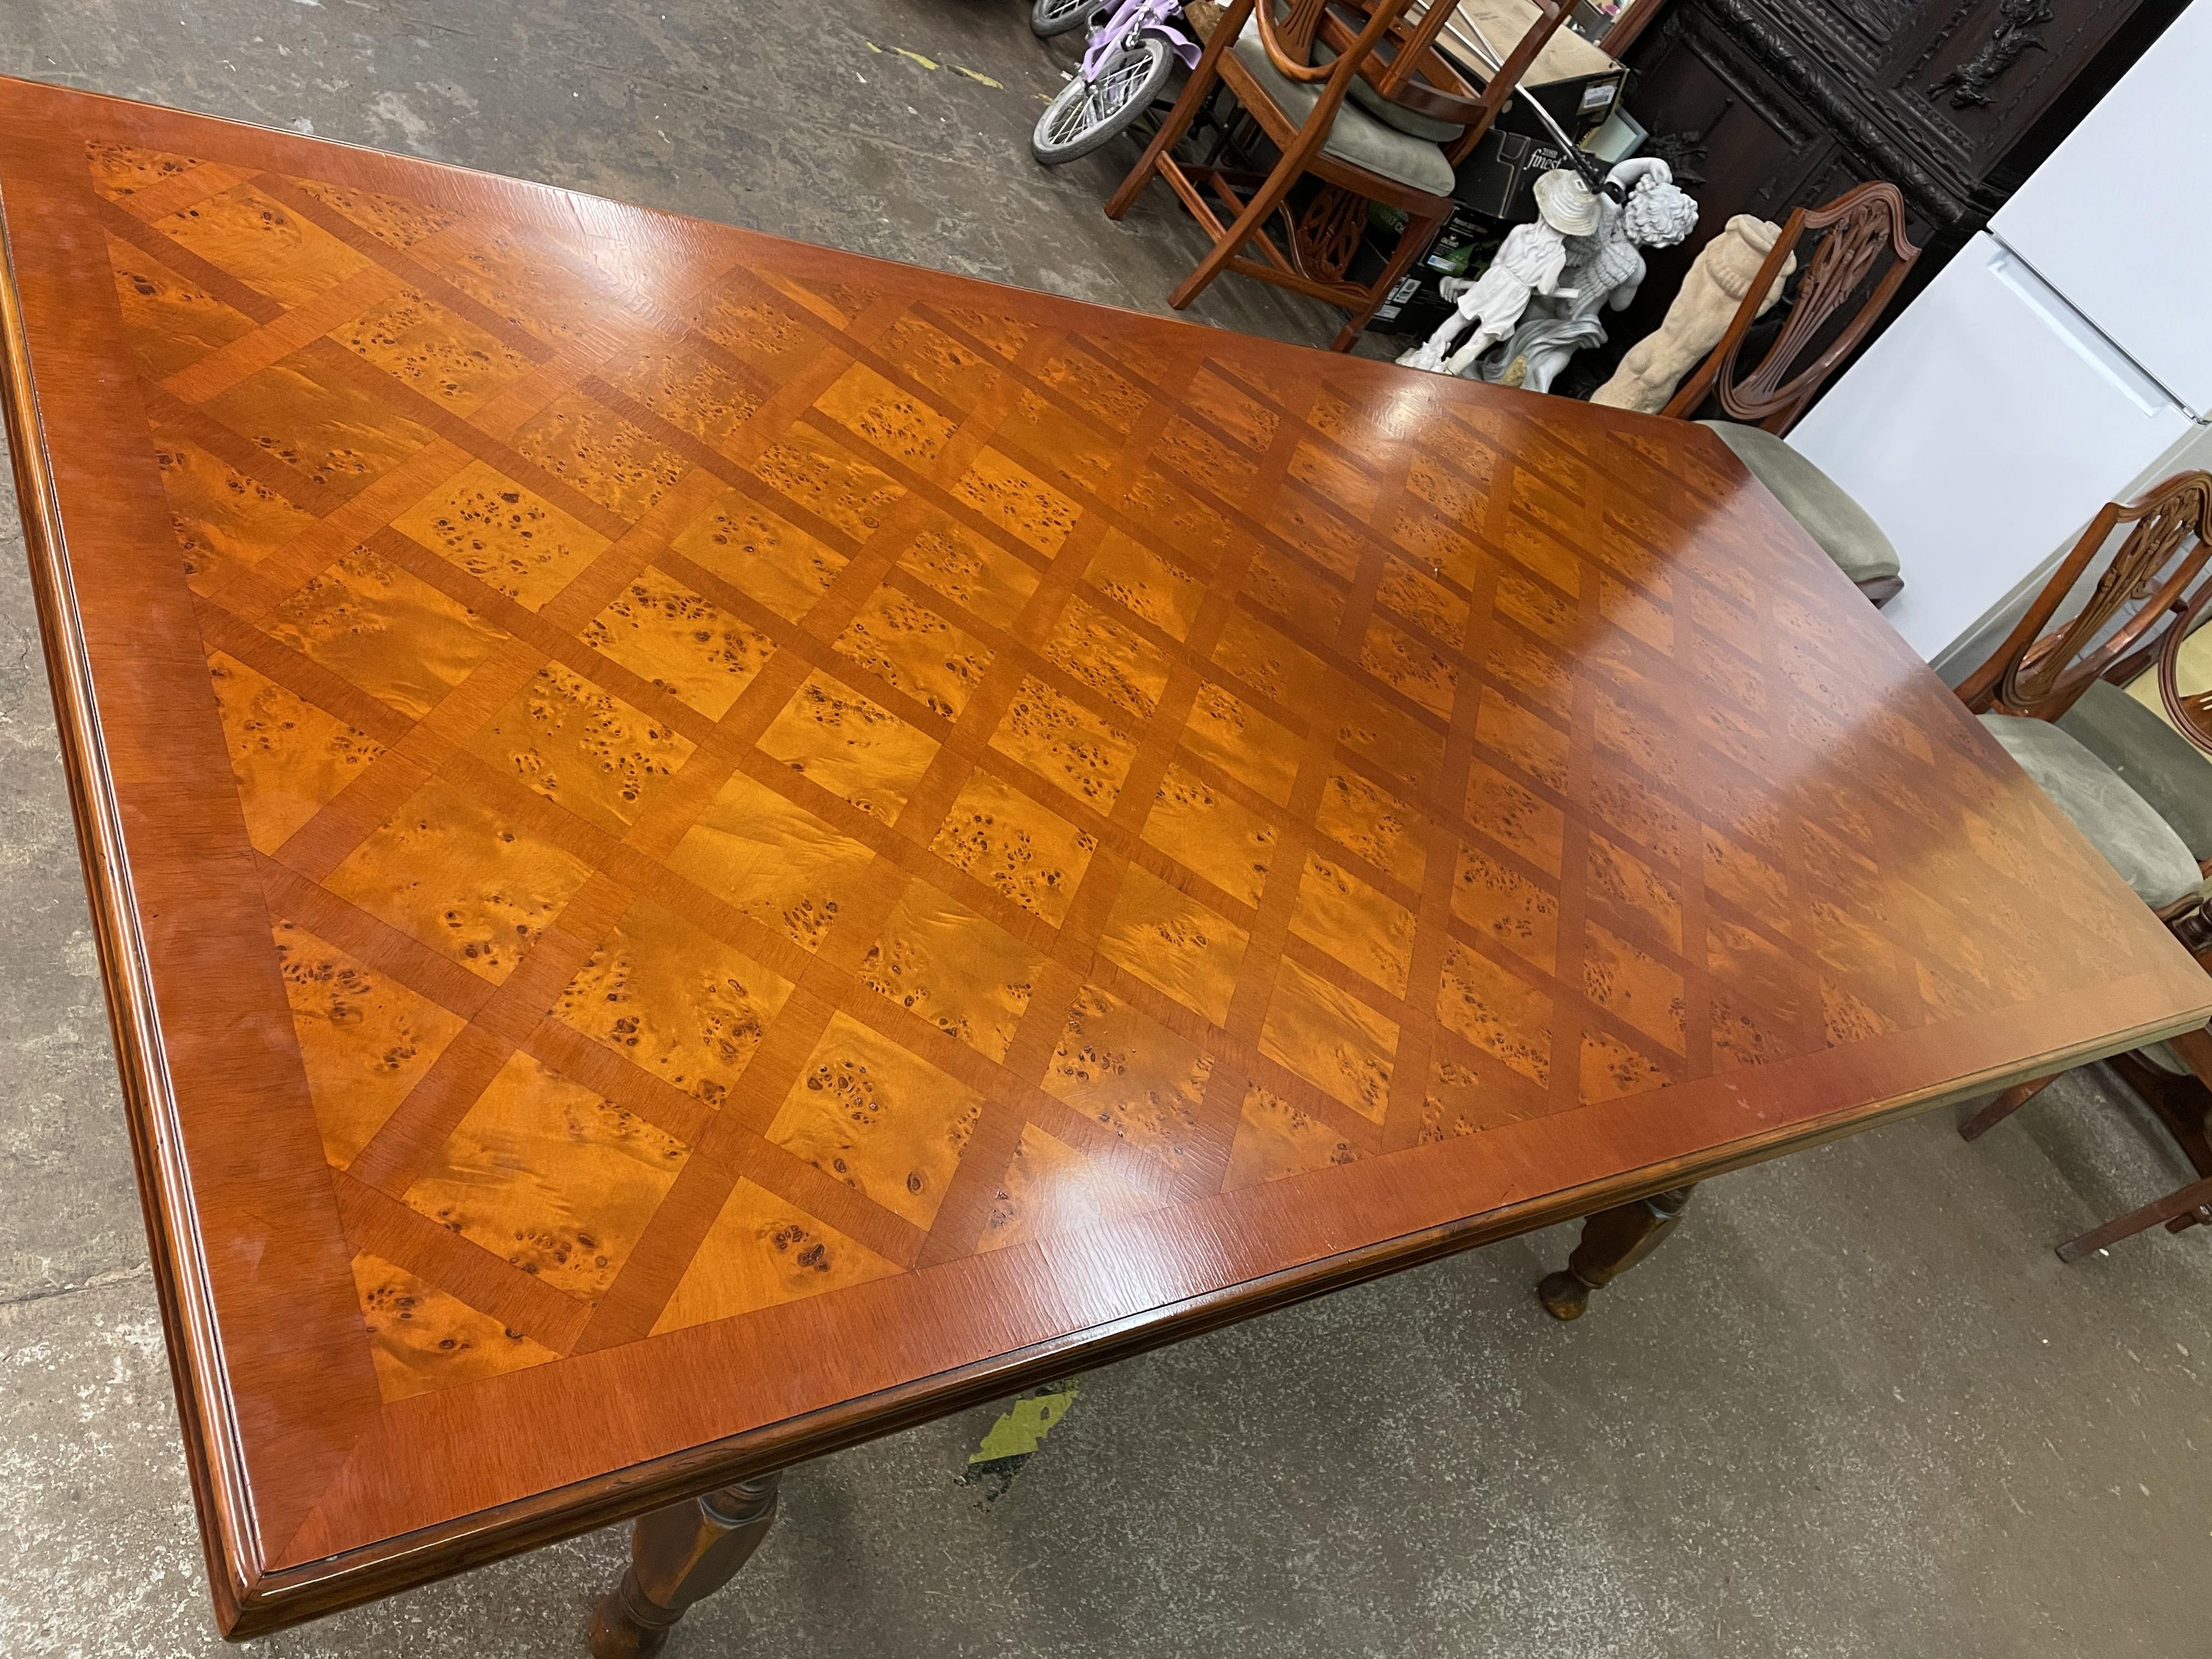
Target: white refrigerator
x=2062, y=360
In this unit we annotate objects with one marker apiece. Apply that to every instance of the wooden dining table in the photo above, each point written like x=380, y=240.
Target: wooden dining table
x=703, y=849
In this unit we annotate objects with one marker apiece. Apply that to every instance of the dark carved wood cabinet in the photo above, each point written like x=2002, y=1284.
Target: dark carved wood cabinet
x=1767, y=105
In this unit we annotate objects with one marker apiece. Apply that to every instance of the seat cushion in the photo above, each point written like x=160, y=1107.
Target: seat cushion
x=1355, y=136
x=2118, y=822
x=1829, y=515
x=2153, y=759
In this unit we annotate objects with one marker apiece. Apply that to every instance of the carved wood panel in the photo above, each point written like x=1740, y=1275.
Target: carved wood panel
x=1931, y=97
x=1978, y=83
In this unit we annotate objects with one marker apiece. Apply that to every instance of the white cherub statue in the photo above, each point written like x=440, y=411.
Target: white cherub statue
x=1605, y=268
x=1529, y=262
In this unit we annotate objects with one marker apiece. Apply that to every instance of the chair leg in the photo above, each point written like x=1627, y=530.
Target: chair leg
x=1203, y=80
x=1257, y=212
x=2003, y=1107
x=2170, y=1208
x=1411, y=242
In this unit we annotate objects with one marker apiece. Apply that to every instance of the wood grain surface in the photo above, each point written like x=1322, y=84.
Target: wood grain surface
x=703, y=848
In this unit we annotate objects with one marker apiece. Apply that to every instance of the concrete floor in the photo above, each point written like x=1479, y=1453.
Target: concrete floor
x=1855, y=1408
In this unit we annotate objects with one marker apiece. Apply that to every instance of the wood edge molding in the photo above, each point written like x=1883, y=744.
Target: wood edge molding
x=213, y=1448
x=294, y=1596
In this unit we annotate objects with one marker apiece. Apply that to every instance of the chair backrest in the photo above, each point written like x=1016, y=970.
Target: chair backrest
x=1288, y=40
x=1401, y=61
x=2190, y=711
x=1859, y=224
x=2041, y=674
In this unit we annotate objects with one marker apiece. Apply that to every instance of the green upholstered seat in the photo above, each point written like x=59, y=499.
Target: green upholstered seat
x=2153, y=759
x=1355, y=135
x=2119, y=823
x=1828, y=515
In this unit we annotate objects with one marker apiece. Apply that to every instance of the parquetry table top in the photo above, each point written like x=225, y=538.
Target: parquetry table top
x=703, y=847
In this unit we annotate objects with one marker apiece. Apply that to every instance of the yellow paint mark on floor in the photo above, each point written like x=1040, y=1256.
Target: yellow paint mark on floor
x=1021, y=1429
x=976, y=76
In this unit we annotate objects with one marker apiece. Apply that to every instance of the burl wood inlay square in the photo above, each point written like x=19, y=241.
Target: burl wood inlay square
x=883, y=1121
x=550, y=1176
x=508, y=537
x=674, y=1000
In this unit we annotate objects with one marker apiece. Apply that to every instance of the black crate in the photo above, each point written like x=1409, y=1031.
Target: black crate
x=1463, y=247
x=1500, y=177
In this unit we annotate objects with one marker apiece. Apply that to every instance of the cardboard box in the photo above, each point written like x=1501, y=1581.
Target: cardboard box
x=1578, y=84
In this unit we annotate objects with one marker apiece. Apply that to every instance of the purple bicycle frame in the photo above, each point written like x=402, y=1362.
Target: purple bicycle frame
x=1130, y=16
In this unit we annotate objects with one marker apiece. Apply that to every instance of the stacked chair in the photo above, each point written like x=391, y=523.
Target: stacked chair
x=1356, y=95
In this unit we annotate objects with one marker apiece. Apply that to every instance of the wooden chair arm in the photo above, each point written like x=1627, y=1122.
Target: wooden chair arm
x=1420, y=49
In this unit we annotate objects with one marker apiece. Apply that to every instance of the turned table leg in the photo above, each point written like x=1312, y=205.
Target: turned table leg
x=677, y=1555
x=1612, y=1242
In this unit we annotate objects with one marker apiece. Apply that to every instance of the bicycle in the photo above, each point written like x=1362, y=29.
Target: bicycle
x=1132, y=49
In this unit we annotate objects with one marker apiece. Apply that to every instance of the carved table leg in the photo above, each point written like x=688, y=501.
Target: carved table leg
x=1612, y=1242
x=677, y=1555
x=2003, y=1107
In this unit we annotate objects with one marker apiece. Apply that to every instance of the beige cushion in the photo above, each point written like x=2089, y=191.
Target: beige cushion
x=2153, y=759
x=1355, y=135
x=1820, y=504
x=2118, y=822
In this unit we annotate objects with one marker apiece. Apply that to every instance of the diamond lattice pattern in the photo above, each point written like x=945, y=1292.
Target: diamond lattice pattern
x=766, y=784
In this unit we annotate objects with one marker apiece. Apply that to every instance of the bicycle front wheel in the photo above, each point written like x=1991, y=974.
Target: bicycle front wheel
x=1085, y=114
x=1051, y=17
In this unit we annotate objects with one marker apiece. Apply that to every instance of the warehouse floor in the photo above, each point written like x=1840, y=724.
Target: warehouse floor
x=1856, y=1407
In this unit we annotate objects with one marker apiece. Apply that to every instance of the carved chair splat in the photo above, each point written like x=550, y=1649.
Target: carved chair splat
x=1859, y=224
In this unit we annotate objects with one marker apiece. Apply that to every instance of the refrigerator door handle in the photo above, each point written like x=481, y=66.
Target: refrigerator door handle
x=2081, y=335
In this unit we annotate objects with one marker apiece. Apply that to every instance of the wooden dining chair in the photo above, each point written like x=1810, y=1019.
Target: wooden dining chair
x=1772, y=393
x=2139, y=787
x=1764, y=401
x=1353, y=93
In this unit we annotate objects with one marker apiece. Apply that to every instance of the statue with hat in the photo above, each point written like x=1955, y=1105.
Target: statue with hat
x=1642, y=208
x=1529, y=262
